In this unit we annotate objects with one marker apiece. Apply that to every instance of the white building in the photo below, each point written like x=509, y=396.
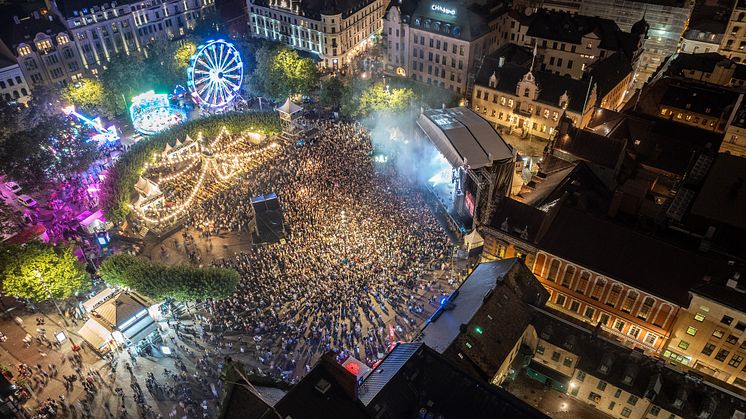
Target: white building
x=335, y=31
x=13, y=86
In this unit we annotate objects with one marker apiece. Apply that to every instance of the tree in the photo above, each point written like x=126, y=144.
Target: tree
x=380, y=98
x=331, y=92
x=159, y=281
x=90, y=97
x=127, y=76
x=53, y=147
x=36, y=269
x=280, y=72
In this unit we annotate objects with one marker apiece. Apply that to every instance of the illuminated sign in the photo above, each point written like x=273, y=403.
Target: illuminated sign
x=469, y=202
x=440, y=9
x=400, y=71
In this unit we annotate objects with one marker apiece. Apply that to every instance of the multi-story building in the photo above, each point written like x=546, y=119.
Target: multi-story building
x=101, y=30
x=733, y=44
x=336, y=32
x=470, y=327
x=710, y=68
x=734, y=141
x=704, y=38
x=13, y=86
x=667, y=20
x=620, y=382
x=43, y=48
x=513, y=92
x=440, y=44
x=709, y=333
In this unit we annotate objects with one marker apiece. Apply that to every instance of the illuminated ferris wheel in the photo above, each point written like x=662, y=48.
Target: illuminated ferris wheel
x=215, y=74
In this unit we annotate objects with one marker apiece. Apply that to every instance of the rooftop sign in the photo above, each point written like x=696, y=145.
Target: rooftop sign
x=442, y=9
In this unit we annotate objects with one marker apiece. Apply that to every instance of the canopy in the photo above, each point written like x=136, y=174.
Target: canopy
x=98, y=299
x=95, y=334
x=289, y=107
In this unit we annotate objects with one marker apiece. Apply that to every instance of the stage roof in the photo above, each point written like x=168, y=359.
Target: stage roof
x=463, y=137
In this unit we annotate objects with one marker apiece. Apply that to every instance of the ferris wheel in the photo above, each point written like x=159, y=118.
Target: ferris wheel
x=215, y=73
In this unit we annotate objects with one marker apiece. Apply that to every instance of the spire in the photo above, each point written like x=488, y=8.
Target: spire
x=533, y=58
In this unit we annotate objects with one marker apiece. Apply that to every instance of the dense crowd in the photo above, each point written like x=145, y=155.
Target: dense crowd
x=354, y=273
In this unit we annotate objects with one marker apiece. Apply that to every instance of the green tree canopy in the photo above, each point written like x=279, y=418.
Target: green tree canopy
x=331, y=92
x=90, y=97
x=378, y=97
x=280, y=72
x=58, y=268
x=159, y=281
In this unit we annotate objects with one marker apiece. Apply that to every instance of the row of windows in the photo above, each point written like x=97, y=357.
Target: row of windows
x=10, y=82
x=614, y=298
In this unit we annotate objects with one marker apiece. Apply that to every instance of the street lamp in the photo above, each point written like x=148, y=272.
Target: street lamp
x=46, y=288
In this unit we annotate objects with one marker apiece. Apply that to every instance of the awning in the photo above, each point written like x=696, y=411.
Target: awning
x=142, y=332
x=95, y=334
x=97, y=299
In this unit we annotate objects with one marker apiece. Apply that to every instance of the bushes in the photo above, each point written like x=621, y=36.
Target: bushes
x=159, y=281
x=120, y=183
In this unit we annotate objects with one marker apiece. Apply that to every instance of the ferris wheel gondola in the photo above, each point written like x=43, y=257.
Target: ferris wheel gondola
x=215, y=74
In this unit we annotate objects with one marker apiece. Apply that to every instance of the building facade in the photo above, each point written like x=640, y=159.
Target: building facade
x=101, y=30
x=440, y=44
x=709, y=334
x=13, y=86
x=336, y=33
x=699, y=41
x=733, y=43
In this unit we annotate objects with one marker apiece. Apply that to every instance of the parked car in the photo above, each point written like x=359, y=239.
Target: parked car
x=27, y=201
x=13, y=187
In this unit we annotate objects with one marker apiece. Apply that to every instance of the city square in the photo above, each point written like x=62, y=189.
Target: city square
x=293, y=209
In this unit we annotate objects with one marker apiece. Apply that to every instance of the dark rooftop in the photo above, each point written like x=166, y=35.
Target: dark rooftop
x=315, y=8
x=69, y=7
x=469, y=19
x=24, y=32
x=591, y=147
x=625, y=255
x=723, y=196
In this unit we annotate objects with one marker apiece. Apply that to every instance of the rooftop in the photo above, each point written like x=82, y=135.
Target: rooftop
x=723, y=195
x=28, y=27
x=468, y=20
x=463, y=137
x=625, y=255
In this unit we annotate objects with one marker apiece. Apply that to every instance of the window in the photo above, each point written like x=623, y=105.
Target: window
x=553, y=268
x=654, y=410
x=539, y=349
x=601, y=385
x=569, y=271
x=560, y=300
x=580, y=376
x=707, y=350
x=574, y=306
x=732, y=339
x=613, y=297
x=589, y=312
x=555, y=356
x=612, y=405
x=718, y=333
x=604, y=319
x=567, y=362
x=618, y=325
x=598, y=289
x=726, y=320
x=617, y=393
x=634, y=331
x=735, y=361
x=651, y=338
x=683, y=345
x=722, y=354
x=741, y=326
x=594, y=397
x=632, y=399
x=699, y=317
x=582, y=282
x=691, y=330
x=629, y=302
x=626, y=411
x=645, y=308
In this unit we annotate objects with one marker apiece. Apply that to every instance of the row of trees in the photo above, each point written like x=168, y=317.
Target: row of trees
x=159, y=281
x=37, y=269
x=120, y=184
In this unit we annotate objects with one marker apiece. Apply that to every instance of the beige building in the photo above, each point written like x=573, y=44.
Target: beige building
x=439, y=44
x=710, y=334
x=13, y=86
x=734, y=141
x=335, y=32
x=733, y=44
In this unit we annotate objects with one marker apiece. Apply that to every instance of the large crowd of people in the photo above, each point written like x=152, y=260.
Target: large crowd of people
x=354, y=271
